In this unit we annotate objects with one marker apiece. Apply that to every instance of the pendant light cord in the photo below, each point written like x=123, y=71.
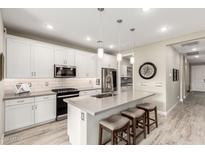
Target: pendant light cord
x=100, y=28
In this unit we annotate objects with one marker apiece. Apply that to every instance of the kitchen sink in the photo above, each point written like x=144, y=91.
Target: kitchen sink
x=104, y=95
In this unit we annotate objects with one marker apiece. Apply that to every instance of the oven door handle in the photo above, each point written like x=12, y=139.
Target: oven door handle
x=67, y=96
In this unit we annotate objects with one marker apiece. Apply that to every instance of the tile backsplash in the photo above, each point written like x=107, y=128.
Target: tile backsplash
x=48, y=84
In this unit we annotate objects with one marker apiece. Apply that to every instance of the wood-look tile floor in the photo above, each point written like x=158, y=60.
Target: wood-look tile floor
x=184, y=125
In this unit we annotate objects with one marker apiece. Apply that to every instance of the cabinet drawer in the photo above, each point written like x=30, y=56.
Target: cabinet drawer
x=45, y=98
x=19, y=101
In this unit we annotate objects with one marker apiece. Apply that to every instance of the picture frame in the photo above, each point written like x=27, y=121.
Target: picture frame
x=175, y=73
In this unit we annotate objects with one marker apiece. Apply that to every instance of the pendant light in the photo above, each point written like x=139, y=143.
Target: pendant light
x=100, y=49
x=119, y=55
x=132, y=59
x=100, y=43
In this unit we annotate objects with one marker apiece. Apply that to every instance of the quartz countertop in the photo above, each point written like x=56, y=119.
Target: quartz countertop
x=88, y=88
x=94, y=106
x=26, y=95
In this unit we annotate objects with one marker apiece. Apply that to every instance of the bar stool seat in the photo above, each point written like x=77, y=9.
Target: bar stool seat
x=147, y=106
x=133, y=112
x=114, y=122
x=115, y=125
x=136, y=115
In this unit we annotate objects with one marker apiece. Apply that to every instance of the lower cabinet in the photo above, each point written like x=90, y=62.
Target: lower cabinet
x=45, y=109
x=20, y=113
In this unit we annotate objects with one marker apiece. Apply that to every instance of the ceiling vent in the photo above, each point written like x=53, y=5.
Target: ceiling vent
x=192, y=53
x=190, y=43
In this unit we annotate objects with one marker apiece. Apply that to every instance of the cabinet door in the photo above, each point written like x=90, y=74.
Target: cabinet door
x=18, y=59
x=109, y=61
x=42, y=61
x=86, y=64
x=19, y=116
x=92, y=65
x=64, y=56
x=45, y=109
x=81, y=60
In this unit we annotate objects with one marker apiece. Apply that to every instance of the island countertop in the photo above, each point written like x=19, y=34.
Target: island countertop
x=94, y=106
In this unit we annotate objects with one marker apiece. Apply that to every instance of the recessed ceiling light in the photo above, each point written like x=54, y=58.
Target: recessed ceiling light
x=88, y=38
x=164, y=29
x=194, y=49
x=196, y=56
x=145, y=9
x=111, y=46
x=48, y=26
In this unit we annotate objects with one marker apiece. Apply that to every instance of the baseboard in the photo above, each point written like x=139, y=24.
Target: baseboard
x=167, y=113
x=162, y=113
x=172, y=108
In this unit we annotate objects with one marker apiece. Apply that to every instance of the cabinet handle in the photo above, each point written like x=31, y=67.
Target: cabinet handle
x=34, y=73
x=36, y=107
x=31, y=73
x=32, y=107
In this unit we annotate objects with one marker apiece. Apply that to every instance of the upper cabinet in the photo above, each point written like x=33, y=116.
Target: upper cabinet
x=18, y=59
x=42, y=61
x=109, y=61
x=64, y=56
x=86, y=64
x=27, y=58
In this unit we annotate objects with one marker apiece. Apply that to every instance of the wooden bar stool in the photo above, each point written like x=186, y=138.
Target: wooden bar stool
x=136, y=115
x=149, y=107
x=115, y=124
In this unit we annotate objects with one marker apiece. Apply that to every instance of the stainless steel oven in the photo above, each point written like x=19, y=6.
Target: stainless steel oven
x=61, y=106
x=64, y=71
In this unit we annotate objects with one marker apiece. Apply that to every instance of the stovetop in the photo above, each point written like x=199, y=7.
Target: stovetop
x=64, y=90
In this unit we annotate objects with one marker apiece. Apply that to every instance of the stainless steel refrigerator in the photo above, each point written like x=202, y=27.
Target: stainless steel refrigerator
x=109, y=80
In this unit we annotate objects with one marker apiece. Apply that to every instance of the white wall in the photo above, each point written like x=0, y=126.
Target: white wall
x=152, y=53
x=165, y=59
x=197, y=78
x=1, y=82
x=172, y=87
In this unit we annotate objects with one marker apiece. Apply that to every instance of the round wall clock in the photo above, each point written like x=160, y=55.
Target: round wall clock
x=147, y=70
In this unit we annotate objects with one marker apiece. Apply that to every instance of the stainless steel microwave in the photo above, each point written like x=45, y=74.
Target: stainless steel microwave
x=64, y=71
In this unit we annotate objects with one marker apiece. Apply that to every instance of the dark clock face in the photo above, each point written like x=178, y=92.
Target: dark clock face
x=147, y=70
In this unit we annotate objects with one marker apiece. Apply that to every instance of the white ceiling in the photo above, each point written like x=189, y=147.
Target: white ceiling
x=200, y=48
x=74, y=25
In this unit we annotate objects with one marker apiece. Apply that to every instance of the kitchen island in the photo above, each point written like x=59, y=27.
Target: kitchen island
x=85, y=112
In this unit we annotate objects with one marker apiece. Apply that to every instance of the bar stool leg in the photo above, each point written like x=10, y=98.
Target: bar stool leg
x=100, y=135
x=144, y=124
x=148, y=126
x=134, y=130
x=112, y=138
x=156, y=120
x=128, y=133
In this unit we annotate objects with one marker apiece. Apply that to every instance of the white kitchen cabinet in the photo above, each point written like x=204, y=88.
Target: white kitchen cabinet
x=45, y=108
x=64, y=56
x=42, y=61
x=18, y=59
x=86, y=64
x=19, y=113
x=109, y=61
